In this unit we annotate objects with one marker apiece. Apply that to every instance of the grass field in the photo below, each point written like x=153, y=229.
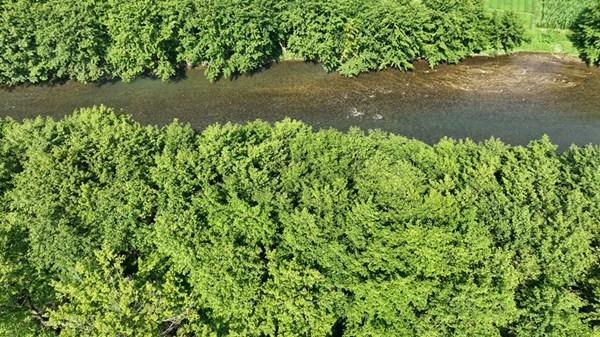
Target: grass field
x=549, y=40
x=540, y=39
x=529, y=10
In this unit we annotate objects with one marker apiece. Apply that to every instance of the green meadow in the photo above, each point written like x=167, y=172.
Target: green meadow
x=547, y=22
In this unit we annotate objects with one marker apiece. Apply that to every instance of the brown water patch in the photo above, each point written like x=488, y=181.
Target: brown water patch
x=519, y=73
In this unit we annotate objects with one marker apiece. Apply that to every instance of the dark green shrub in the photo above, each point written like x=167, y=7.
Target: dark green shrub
x=234, y=36
x=454, y=30
x=316, y=30
x=354, y=37
x=357, y=36
x=72, y=39
x=53, y=39
x=19, y=61
x=587, y=34
x=507, y=32
x=383, y=34
x=143, y=38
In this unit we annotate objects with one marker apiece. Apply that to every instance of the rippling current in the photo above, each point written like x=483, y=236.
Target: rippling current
x=516, y=98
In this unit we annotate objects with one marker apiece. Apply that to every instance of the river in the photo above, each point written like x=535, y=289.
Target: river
x=516, y=98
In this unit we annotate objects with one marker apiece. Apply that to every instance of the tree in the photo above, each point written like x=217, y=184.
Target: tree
x=19, y=61
x=142, y=38
x=110, y=228
x=99, y=300
x=587, y=34
x=71, y=39
x=507, y=33
x=231, y=36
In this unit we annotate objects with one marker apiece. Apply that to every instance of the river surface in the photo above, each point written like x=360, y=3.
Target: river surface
x=516, y=98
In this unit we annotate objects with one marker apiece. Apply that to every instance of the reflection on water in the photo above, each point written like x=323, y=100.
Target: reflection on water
x=516, y=98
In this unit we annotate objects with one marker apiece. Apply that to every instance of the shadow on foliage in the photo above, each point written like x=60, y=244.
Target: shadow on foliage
x=337, y=330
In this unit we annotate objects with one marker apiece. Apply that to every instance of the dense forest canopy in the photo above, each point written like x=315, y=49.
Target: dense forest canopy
x=109, y=228
x=88, y=40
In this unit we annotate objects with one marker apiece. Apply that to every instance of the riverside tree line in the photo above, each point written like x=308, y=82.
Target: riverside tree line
x=109, y=228
x=89, y=40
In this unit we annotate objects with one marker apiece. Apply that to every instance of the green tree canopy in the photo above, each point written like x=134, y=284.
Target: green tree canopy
x=110, y=228
x=90, y=40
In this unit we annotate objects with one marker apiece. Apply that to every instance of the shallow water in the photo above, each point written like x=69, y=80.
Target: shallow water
x=516, y=98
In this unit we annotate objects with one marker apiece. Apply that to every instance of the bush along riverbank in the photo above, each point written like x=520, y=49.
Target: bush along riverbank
x=109, y=228
x=587, y=33
x=89, y=40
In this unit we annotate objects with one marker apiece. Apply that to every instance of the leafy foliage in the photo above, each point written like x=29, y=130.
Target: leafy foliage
x=358, y=36
x=384, y=34
x=19, y=61
x=73, y=41
x=315, y=30
x=142, y=38
x=117, y=306
x=109, y=228
x=89, y=40
x=587, y=34
x=237, y=36
x=510, y=35
x=456, y=29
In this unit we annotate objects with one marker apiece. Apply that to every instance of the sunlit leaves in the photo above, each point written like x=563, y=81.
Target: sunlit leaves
x=109, y=228
x=142, y=38
x=101, y=301
x=19, y=61
x=91, y=40
x=71, y=39
x=236, y=36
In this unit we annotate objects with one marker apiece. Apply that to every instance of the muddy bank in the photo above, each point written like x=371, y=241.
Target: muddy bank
x=514, y=97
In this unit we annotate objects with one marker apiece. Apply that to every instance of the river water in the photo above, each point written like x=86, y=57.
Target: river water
x=516, y=98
